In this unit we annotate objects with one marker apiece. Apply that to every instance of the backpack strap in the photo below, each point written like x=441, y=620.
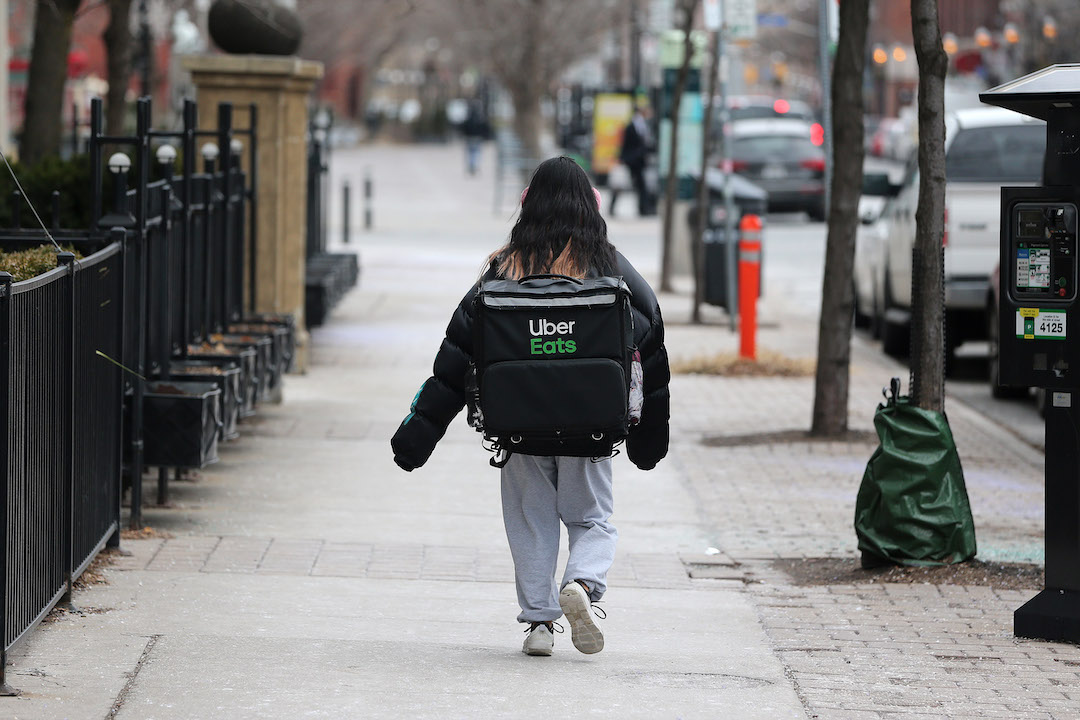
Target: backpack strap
x=500, y=462
x=551, y=276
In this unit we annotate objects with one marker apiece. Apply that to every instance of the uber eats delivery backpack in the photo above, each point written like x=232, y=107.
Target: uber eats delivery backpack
x=555, y=367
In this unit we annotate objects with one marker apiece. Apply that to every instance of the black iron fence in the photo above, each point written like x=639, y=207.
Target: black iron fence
x=142, y=353
x=61, y=449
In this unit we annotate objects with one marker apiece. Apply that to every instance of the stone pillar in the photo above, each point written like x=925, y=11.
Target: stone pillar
x=279, y=87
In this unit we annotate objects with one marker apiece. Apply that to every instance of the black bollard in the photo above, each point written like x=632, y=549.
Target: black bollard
x=345, y=193
x=367, y=199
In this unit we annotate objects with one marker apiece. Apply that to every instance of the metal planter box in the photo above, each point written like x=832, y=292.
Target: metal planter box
x=277, y=320
x=247, y=359
x=226, y=375
x=181, y=423
x=284, y=340
x=280, y=353
x=265, y=371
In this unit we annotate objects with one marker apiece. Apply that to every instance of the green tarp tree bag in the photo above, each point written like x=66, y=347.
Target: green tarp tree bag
x=912, y=507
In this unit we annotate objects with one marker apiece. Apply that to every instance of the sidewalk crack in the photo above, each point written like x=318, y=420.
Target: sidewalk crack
x=202, y=568
x=121, y=697
x=265, y=552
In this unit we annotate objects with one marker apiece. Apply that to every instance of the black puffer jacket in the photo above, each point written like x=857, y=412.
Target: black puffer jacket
x=443, y=395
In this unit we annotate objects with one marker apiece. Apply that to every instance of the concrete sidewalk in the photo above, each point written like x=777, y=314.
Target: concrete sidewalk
x=306, y=575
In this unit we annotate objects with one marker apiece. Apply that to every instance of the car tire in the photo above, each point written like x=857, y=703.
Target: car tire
x=1040, y=402
x=895, y=337
x=877, y=318
x=994, y=358
x=862, y=318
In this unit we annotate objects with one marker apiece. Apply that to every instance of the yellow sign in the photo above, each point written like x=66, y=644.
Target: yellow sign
x=611, y=113
x=1028, y=312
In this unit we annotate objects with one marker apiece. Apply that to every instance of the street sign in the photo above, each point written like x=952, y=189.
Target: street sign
x=741, y=19
x=769, y=19
x=714, y=13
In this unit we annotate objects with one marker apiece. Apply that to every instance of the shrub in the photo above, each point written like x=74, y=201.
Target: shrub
x=70, y=177
x=26, y=264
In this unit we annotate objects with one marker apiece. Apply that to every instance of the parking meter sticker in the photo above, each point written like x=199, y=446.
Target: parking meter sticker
x=1062, y=399
x=1038, y=324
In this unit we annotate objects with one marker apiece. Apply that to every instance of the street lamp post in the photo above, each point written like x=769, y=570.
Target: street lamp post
x=144, y=48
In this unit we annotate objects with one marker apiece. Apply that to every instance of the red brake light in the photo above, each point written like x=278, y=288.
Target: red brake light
x=816, y=164
x=817, y=134
x=780, y=107
x=739, y=165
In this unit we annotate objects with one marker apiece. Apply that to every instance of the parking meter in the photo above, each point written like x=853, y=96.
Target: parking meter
x=1038, y=290
x=1039, y=328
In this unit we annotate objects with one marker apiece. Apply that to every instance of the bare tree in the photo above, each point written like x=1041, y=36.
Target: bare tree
x=698, y=241
x=527, y=45
x=688, y=9
x=118, y=43
x=46, y=77
x=1047, y=27
x=927, y=271
x=362, y=33
x=830, y=415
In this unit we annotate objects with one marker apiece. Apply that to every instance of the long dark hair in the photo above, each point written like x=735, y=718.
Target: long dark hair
x=559, y=229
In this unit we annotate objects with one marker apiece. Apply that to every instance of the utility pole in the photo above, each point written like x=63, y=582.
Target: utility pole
x=824, y=37
x=144, y=49
x=635, y=43
x=732, y=247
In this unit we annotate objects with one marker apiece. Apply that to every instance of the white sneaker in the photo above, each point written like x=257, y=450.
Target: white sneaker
x=584, y=629
x=539, y=641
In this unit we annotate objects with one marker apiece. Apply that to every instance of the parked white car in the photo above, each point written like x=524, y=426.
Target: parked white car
x=881, y=182
x=985, y=149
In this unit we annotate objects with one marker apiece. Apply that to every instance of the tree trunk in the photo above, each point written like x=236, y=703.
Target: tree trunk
x=698, y=243
x=118, y=43
x=527, y=121
x=927, y=261
x=527, y=85
x=830, y=417
x=45, y=79
x=689, y=8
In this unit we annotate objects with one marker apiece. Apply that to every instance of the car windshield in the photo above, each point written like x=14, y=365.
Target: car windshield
x=758, y=112
x=877, y=185
x=1011, y=153
x=774, y=147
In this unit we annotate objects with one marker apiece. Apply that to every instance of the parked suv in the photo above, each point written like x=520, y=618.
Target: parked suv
x=779, y=156
x=985, y=148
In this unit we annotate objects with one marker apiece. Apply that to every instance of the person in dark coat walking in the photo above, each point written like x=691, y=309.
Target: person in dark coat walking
x=559, y=230
x=476, y=130
x=637, y=143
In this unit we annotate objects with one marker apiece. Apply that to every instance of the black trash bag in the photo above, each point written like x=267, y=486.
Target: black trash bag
x=912, y=507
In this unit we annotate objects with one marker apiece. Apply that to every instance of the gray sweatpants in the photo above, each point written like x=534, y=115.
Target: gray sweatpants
x=538, y=492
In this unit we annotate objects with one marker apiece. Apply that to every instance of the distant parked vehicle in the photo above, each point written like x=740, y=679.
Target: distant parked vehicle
x=763, y=107
x=985, y=149
x=893, y=139
x=881, y=183
x=779, y=156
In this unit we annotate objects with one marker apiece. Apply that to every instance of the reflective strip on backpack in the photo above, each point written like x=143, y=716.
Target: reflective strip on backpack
x=519, y=301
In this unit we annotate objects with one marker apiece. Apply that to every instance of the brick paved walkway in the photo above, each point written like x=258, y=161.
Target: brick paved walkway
x=872, y=650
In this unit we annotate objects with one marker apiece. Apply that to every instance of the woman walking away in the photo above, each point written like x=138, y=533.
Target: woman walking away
x=559, y=231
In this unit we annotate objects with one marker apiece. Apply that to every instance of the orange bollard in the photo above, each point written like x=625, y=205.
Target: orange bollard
x=749, y=275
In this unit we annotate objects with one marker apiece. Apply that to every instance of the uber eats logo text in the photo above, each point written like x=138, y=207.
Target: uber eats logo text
x=559, y=346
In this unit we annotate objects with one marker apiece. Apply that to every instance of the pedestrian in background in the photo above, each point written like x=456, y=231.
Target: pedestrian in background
x=637, y=143
x=559, y=230
x=476, y=130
